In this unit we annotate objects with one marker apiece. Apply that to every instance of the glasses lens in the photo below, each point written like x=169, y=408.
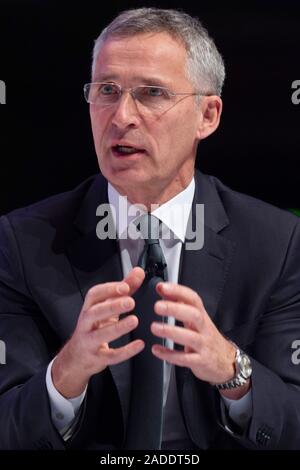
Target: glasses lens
x=152, y=97
x=86, y=91
x=103, y=94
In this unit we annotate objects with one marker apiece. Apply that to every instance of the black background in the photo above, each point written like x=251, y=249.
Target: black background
x=45, y=139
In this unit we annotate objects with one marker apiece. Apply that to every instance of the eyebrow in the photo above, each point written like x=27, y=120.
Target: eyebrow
x=139, y=80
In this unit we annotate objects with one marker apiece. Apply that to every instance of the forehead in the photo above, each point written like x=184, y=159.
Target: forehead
x=141, y=57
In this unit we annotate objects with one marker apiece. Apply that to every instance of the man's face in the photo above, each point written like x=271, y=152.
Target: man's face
x=166, y=141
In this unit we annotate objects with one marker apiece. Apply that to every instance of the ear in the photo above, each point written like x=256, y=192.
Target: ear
x=210, y=113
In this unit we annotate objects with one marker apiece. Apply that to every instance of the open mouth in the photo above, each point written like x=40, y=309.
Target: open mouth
x=126, y=150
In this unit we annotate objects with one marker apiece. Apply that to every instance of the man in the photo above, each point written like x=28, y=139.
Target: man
x=68, y=298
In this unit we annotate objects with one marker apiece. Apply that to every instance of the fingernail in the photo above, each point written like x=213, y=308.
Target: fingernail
x=140, y=345
x=131, y=321
x=122, y=288
x=161, y=307
x=166, y=286
x=127, y=303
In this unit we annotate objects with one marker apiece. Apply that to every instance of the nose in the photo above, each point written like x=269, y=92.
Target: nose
x=125, y=112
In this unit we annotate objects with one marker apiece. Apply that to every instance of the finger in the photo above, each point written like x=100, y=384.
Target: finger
x=109, y=333
x=179, y=293
x=135, y=279
x=178, y=358
x=177, y=334
x=102, y=292
x=104, y=310
x=115, y=356
x=187, y=314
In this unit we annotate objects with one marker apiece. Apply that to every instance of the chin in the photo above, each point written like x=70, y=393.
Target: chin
x=122, y=180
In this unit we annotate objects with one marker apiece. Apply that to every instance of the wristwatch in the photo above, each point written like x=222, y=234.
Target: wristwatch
x=243, y=371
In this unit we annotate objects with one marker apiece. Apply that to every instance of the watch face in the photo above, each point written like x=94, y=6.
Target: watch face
x=245, y=366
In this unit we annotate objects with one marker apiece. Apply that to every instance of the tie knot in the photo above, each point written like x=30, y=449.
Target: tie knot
x=149, y=228
x=152, y=259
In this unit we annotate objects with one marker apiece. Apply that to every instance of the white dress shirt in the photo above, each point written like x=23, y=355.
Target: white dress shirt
x=174, y=216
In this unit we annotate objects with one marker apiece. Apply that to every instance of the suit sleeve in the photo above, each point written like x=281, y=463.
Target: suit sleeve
x=275, y=422
x=25, y=413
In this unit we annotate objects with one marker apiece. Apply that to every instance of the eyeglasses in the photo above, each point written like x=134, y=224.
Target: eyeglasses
x=155, y=98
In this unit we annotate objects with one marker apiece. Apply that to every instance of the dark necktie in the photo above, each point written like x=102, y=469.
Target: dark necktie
x=144, y=427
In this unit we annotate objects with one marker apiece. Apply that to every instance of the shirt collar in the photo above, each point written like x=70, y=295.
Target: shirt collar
x=173, y=213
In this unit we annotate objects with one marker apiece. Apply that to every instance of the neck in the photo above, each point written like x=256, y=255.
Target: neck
x=149, y=196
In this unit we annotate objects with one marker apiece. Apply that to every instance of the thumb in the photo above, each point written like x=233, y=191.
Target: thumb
x=135, y=279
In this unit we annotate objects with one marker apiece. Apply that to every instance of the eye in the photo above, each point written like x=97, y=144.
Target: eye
x=107, y=89
x=155, y=91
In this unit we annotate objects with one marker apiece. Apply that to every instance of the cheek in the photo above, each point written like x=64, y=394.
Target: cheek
x=97, y=128
x=180, y=134
x=95, y=121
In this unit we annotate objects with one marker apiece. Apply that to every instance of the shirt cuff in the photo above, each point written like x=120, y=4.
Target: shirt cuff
x=239, y=411
x=63, y=410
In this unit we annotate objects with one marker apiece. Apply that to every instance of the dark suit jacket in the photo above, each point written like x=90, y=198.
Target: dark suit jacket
x=248, y=275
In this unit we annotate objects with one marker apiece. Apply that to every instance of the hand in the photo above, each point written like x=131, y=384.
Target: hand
x=88, y=351
x=208, y=354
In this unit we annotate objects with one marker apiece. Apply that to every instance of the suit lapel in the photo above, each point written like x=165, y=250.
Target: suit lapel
x=96, y=261
x=205, y=271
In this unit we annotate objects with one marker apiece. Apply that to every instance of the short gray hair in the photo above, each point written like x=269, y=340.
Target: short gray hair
x=205, y=66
